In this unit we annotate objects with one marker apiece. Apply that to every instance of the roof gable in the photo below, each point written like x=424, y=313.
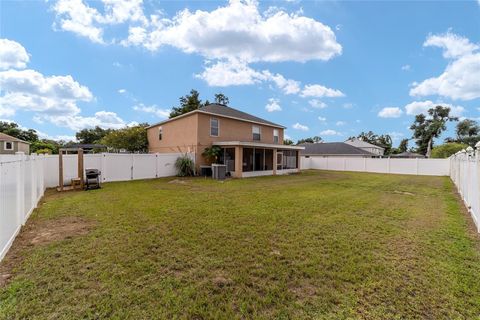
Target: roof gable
x=362, y=144
x=6, y=137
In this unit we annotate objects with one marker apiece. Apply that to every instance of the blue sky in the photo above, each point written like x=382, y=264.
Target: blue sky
x=327, y=68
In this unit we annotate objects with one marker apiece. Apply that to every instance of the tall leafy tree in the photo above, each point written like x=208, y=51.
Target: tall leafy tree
x=192, y=102
x=14, y=130
x=425, y=129
x=132, y=139
x=468, y=132
x=403, y=146
x=315, y=139
x=221, y=99
x=287, y=142
x=90, y=136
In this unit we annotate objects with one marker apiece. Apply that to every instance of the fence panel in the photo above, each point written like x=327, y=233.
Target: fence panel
x=465, y=174
x=21, y=187
x=144, y=166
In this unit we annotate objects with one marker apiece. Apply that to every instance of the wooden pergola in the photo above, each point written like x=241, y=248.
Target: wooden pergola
x=78, y=182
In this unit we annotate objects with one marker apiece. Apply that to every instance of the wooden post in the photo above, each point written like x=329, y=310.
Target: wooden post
x=60, y=169
x=80, y=167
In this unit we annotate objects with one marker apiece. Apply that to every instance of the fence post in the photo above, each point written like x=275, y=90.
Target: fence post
x=156, y=165
x=416, y=166
x=131, y=168
x=364, y=164
x=103, y=167
x=388, y=165
x=33, y=180
x=20, y=188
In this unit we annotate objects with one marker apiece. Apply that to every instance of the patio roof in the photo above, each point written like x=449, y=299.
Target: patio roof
x=257, y=144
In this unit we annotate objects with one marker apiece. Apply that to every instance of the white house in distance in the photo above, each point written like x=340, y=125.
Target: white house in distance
x=358, y=143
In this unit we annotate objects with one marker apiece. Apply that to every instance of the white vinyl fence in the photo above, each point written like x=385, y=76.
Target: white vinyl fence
x=113, y=166
x=23, y=180
x=464, y=172
x=21, y=187
x=428, y=167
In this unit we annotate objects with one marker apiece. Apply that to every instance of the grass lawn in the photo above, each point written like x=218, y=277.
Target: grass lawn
x=318, y=245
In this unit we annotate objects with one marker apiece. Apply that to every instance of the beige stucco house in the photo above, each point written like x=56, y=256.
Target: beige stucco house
x=10, y=145
x=251, y=146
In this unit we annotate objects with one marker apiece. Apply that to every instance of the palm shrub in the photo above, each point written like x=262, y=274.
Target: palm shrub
x=185, y=166
x=211, y=154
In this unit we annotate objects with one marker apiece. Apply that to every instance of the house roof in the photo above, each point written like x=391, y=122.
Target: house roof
x=408, y=155
x=6, y=137
x=333, y=148
x=227, y=112
x=362, y=144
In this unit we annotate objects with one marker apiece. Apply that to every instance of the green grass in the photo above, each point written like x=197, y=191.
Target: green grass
x=318, y=245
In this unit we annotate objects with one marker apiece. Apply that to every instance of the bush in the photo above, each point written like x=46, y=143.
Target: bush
x=447, y=149
x=185, y=166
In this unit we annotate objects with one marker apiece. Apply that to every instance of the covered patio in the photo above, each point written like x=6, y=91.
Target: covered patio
x=251, y=159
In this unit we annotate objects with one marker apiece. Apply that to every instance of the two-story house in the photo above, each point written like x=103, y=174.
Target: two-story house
x=251, y=146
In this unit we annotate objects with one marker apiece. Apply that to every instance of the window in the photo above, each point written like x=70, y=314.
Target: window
x=214, y=128
x=8, y=145
x=160, y=133
x=275, y=135
x=256, y=133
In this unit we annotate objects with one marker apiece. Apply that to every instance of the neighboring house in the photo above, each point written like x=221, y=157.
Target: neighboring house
x=379, y=151
x=251, y=146
x=10, y=145
x=334, y=149
x=407, y=155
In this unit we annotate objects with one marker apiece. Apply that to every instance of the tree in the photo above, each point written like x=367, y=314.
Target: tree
x=42, y=146
x=91, y=136
x=220, y=98
x=192, y=102
x=14, y=130
x=132, y=139
x=383, y=141
x=447, y=149
x=315, y=139
x=468, y=132
x=425, y=129
x=211, y=154
x=287, y=142
x=403, y=146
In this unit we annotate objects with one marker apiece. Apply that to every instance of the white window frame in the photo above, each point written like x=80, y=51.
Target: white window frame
x=160, y=133
x=5, y=145
x=218, y=127
x=259, y=132
x=276, y=135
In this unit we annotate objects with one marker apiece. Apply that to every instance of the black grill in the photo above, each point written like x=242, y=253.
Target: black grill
x=92, y=178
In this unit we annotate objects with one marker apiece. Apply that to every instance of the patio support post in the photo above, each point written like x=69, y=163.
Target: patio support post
x=238, y=161
x=274, y=162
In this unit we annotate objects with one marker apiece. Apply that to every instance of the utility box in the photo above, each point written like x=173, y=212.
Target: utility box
x=219, y=171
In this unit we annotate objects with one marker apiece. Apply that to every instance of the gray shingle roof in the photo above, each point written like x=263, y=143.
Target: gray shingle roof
x=332, y=148
x=408, y=155
x=6, y=137
x=223, y=110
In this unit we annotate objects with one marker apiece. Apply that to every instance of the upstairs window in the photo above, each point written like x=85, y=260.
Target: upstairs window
x=256, y=133
x=214, y=127
x=275, y=135
x=8, y=145
x=160, y=133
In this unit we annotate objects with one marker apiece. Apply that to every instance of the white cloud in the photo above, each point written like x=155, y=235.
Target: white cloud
x=396, y=135
x=406, y=67
x=237, y=30
x=12, y=55
x=51, y=98
x=273, y=105
x=348, y=105
x=103, y=119
x=454, y=46
x=122, y=91
x=459, y=81
x=230, y=73
x=322, y=119
x=161, y=113
x=390, y=112
x=288, y=86
x=319, y=91
x=298, y=126
x=418, y=107
x=340, y=123
x=330, y=132
x=317, y=104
